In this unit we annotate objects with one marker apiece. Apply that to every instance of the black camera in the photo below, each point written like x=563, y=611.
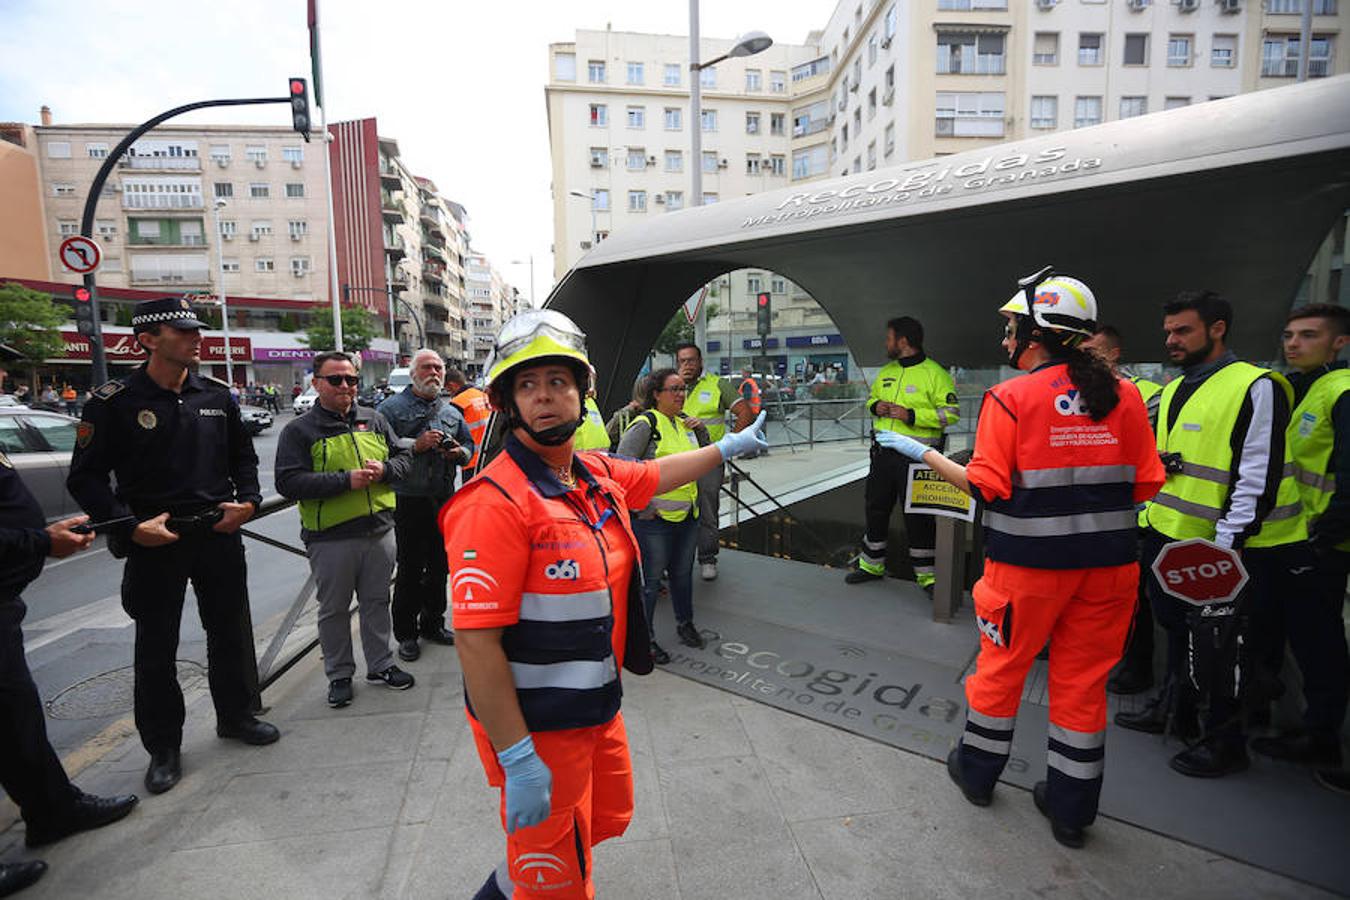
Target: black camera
x=447, y=443
x=1171, y=463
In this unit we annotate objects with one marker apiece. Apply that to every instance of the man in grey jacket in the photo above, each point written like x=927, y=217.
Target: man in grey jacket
x=338, y=460
x=436, y=432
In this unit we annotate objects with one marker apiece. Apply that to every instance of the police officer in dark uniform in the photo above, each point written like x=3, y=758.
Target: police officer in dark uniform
x=30, y=770
x=187, y=473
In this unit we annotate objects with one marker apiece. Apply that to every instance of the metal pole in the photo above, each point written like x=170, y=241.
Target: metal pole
x=99, y=362
x=695, y=104
x=220, y=291
x=328, y=184
x=1305, y=40
x=696, y=142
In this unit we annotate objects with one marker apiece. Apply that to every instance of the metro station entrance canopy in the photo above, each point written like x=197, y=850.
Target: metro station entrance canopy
x=1232, y=195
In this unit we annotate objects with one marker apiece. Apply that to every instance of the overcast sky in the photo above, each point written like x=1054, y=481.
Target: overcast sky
x=460, y=85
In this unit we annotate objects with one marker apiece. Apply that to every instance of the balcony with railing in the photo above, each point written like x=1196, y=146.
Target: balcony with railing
x=391, y=206
x=161, y=163
x=158, y=200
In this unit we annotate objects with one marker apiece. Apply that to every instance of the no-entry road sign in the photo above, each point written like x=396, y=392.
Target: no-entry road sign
x=1200, y=572
x=80, y=254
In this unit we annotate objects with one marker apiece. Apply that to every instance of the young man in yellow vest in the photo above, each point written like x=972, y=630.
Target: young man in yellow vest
x=912, y=395
x=1319, y=447
x=1134, y=675
x=1220, y=430
x=707, y=400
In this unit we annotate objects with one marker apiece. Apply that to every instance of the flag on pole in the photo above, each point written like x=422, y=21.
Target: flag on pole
x=315, y=65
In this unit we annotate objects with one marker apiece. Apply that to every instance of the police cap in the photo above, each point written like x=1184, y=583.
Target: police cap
x=173, y=311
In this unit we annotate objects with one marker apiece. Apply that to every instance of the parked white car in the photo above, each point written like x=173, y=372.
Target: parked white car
x=305, y=402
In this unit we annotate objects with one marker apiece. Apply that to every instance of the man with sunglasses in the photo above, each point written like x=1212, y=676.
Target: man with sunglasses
x=338, y=460
x=187, y=479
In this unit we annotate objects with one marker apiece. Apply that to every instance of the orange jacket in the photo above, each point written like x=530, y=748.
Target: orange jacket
x=754, y=398
x=1060, y=488
x=473, y=403
x=552, y=567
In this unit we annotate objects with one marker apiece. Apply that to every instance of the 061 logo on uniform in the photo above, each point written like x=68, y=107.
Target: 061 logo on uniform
x=563, y=570
x=1070, y=403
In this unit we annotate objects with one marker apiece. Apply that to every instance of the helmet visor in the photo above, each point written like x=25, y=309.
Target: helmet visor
x=517, y=333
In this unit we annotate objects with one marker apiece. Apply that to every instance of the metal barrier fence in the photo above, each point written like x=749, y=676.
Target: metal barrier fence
x=791, y=422
x=270, y=667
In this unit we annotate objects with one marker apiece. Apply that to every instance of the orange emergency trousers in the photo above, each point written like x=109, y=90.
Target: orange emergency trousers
x=592, y=792
x=1063, y=489
x=592, y=801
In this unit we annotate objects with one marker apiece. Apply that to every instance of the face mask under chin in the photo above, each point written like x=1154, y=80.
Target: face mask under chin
x=549, y=437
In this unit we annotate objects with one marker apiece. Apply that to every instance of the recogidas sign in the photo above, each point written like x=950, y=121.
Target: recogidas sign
x=930, y=181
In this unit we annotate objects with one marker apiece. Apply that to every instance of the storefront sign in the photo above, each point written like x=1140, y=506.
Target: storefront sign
x=816, y=340
x=927, y=493
x=282, y=354
x=757, y=343
x=125, y=348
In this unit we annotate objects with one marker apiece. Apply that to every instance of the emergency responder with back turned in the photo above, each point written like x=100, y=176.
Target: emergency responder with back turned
x=1221, y=434
x=473, y=405
x=1134, y=675
x=914, y=396
x=187, y=473
x=31, y=772
x=546, y=609
x=707, y=400
x=1062, y=455
x=1319, y=447
x=440, y=441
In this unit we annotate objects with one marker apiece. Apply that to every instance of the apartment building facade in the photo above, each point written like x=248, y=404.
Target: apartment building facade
x=190, y=202
x=489, y=302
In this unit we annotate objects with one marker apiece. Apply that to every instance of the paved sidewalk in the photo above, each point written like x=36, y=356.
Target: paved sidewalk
x=734, y=800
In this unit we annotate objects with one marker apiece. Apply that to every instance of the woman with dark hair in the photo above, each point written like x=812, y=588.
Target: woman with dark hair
x=1062, y=456
x=667, y=529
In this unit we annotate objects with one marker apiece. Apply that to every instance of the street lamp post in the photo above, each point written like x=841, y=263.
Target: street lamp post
x=748, y=44
x=220, y=292
x=588, y=195
x=530, y=263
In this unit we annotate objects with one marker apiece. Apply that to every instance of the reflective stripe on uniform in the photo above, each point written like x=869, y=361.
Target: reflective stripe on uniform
x=1084, y=740
x=1207, y=473
x=1004, y=723
x=564, y=607
x=1072, y=475
x=974, y=739
x=1058, y=526
x=575, y=674
x=1199, y=510
x=1083, y=771
x=1316, y=480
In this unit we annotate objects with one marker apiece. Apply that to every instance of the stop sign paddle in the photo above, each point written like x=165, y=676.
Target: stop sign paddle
x=1200, y=572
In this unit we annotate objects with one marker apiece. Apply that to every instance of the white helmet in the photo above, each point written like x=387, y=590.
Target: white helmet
x=1057, y=302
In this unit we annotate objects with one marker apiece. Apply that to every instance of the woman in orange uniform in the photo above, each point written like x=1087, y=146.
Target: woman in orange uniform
x=546, y=609
x=1062, y=456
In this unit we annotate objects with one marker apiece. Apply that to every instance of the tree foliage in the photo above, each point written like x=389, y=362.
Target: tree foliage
x=358, y=330
x=30, y=322
x=679, y=330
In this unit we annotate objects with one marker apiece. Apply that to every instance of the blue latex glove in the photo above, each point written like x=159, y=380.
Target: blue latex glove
x=903, y=444
x=529, y=785
x=750, y=439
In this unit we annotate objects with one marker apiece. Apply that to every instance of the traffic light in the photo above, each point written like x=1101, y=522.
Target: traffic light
x=299, y=92
x=763, y=314
x=84, y=311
